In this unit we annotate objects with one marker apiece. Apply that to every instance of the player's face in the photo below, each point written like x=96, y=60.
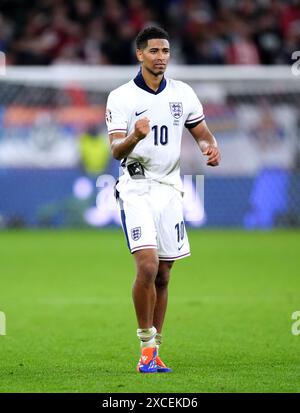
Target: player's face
x=155, y=56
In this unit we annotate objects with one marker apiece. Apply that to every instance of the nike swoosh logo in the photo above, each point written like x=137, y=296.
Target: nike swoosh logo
x=138, y=114
x=179, y=248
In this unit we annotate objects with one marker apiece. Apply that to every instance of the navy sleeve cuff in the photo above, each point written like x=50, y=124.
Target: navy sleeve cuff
x=192, y=125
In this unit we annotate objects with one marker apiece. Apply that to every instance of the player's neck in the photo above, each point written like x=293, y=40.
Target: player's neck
x=151, y=80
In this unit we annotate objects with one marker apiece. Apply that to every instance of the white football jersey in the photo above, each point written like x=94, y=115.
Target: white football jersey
x=173, y=106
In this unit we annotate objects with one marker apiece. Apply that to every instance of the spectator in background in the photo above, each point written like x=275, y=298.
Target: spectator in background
x=242, y=50
x=290, y=18
x=290, y=26
x=6, y=31
x=94, y=151
x=291, y=44
x=93, y=43
x=102, y=31
x=267, y=35
x=44, y=38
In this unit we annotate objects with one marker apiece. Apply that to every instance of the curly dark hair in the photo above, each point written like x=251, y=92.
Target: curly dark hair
x=151, y=32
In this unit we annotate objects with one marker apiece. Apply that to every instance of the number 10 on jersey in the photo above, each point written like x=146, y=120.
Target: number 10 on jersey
x=160, y=135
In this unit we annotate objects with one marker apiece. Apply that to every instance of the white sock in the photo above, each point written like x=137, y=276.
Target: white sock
x=158, y=340
x=147, y=336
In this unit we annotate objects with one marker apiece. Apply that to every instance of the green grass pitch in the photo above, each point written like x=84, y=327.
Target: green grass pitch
x=71, y=326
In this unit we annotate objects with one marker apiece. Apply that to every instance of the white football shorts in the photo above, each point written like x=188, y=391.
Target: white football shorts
x=152, y=217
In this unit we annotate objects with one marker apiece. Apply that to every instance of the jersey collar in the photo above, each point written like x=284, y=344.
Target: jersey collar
x=140, y=82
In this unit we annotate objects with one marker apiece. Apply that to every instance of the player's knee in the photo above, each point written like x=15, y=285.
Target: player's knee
x=163, y=274
x=162, y=279
x=147, y=271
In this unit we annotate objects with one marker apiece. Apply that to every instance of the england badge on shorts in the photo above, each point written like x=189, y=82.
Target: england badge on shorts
x=136, y=233
x=176, y=109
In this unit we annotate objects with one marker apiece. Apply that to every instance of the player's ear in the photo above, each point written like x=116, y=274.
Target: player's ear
x=139, y=55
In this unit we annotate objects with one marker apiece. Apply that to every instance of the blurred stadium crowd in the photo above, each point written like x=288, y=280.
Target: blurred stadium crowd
x=43, y=32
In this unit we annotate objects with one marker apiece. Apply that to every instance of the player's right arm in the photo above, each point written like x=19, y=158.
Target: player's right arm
x=122, y=146
x=118, y=111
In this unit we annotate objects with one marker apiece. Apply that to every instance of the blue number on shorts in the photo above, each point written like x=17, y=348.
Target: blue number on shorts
x=163, y=138
x=180, y=231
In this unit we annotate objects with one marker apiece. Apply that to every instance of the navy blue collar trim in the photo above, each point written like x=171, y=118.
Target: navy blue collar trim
x=140, y=82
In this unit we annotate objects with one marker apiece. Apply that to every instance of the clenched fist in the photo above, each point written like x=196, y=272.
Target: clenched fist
x=142, y=128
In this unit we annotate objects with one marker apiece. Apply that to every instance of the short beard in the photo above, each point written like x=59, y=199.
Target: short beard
x=161, y=72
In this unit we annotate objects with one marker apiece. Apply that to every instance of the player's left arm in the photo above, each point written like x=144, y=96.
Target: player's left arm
x=207, y=143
